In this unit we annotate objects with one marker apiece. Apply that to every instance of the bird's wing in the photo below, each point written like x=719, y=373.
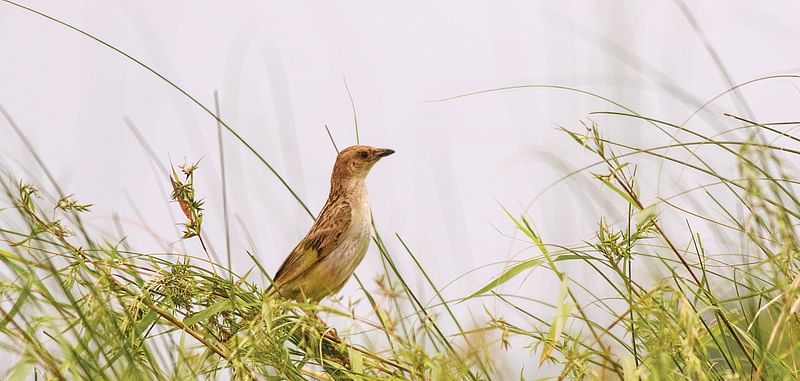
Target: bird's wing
x=325, y=236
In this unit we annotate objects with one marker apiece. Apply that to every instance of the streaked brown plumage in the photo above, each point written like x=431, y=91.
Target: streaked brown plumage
x=325, y=259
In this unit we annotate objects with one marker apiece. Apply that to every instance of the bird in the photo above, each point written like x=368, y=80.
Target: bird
x=327, y=256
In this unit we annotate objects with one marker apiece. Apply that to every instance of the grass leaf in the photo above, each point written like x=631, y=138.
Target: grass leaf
x=222, y=305
x=563, y=308
x=507, y=275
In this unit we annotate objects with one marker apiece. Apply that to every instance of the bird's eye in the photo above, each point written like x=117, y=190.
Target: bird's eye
x=363, y=154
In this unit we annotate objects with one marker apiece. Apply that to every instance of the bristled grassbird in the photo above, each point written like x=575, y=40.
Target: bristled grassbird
x=325, y=259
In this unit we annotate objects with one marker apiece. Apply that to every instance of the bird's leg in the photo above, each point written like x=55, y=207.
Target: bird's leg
x=329, y=332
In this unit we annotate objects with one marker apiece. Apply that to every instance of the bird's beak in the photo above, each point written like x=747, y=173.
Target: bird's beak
x=383, y=152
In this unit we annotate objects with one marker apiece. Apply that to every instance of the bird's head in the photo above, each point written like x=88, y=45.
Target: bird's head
x=354, y=162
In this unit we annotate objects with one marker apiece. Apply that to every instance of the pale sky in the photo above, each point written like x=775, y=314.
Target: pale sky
x=280, y=70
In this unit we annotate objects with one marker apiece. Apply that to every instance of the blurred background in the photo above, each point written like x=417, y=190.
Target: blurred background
x=282, y=72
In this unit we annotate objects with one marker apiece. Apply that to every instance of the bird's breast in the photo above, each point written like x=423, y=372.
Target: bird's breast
x=343, y=260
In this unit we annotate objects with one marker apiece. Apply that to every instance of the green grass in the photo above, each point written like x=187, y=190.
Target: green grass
x=699, y=284
x=708, y=316
x=75, y=307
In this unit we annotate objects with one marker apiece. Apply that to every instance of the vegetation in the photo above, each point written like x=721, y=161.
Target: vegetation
x=700, y=284
x=79, y=308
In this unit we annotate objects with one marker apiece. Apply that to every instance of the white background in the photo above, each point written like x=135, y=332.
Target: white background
x=280, y=69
